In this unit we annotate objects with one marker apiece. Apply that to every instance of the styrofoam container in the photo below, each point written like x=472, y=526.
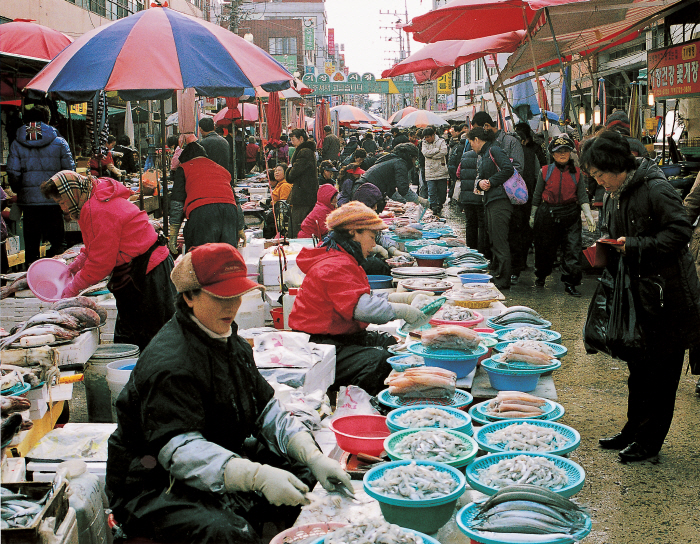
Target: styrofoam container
x=251, y=314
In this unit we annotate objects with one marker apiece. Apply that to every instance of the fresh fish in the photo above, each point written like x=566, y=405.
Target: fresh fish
x=372, y=531
x=11, y=404
x=527, y=492
x=50, y=317
x=432, y=445
x=522, y=524
x=520, y=309
x=20, y=284
x=59, y=332
x=87, y=317
x=428, y=417
x=530, y=506
x=9, y=428
x=84, y=302
x=524, y=469
x=526, y=333
x=415, y=482
x=527, y=437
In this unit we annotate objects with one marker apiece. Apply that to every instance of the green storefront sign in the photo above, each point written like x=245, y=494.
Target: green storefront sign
x=354, y=83
x=309, y=39
x=288, y=61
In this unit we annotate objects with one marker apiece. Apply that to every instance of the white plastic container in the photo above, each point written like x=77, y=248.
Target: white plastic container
x=117, y=375
x=86, y=498
x=97, y=393
x=251, y=314
x=287, y=304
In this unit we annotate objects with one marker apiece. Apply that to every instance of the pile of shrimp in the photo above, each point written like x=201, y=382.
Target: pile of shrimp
x=433, y=445
x=429, y=417
x=414, y=482
x=527, y=437
x=524, y=469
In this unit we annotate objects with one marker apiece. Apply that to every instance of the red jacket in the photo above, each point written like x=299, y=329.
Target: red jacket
x=206, y=183
x=315, y=222
x=115, y=232
x=251, y=152
x=333, y=284
x=560, y=188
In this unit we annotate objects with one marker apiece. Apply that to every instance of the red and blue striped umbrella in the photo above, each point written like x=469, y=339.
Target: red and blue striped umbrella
x=151, y=53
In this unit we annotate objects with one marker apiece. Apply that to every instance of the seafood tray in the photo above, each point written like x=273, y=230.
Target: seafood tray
x=574, y=472
x=426, y=284
x=467, y=514
x=574, y=438
x=460, y=399
x=55, y=507
x=545, y=325
x=471, y=447
x=558, y=349
x=552, y=336
x=478, y=414
x=482, y=409
x=498, y=364
x=405, y=272
x=426, y=539
x=464, y=427
x=306, y=534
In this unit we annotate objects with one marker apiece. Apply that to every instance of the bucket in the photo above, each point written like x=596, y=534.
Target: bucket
x=251, y=314
x=277, y=317
x=47, y=278
x=97, y=393
x=117, y=375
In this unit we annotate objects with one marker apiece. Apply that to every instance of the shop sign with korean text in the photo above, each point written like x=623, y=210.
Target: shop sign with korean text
x=444, y=84
x=673, y=71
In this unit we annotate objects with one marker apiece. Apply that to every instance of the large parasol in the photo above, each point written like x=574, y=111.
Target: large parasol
x=421, y=119
x=397, y=116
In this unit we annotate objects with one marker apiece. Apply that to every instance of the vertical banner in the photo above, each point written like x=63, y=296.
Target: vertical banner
x=309, y=26
x=331, y=42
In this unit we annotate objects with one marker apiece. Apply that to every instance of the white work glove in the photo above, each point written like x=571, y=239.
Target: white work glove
x=173, y=231
x=412, y=316
x=379, y=250
x=278, y=486
x=407, y=296
x=590, y=222
x=532, y=217
x=326, y=470
x=423, y=202
x=394, y=252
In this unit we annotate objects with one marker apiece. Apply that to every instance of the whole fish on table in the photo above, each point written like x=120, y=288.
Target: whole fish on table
x=49, y=317
x=57, y=331
x=20, y=284
x=84, y=302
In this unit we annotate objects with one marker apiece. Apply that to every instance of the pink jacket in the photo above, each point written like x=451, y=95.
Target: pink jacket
x=315, y=222
x=115, y=232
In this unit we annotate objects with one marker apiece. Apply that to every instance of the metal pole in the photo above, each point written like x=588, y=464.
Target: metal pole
x=164, y=204
x=663, y=149
x=561, y=67
x=501, y=90
x=70, y=129
x=537, y=76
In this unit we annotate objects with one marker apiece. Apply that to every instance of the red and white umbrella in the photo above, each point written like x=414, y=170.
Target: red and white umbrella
x=352, y=116
x=421, y=119
x=381, y=122
x=396, y=117
x=247, y=112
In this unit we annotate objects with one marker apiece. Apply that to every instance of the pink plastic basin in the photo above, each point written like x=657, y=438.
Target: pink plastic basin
x=361, y=433
x=47, y=278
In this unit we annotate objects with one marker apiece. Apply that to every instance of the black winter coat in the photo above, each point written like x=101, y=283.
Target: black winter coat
x=218, y=149
x=390, y=174
x=489, y=171
x=369, y=145
x=467, y=176
x=302, y=174
x=455, y=157
x=650, y=214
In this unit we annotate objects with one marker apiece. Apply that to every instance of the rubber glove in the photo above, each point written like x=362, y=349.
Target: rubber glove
x=532, y=217
x=586, y=207
x=278, y=486
x=423, y=202
x=407, y=297
x=173, y=231
x=394, y=252
x=326, y=470
x=241, y=237
x=412, y=316
x=379, y=250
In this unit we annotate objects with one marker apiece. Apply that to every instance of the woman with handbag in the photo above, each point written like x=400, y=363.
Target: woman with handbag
x=648, y=302
x=556, y=216
x=493, y=170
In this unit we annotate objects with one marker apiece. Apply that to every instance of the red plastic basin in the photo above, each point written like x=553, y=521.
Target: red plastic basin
x=361, y=433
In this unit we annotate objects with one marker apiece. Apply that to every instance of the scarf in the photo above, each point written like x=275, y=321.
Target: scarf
x=334, y=239
x=78, y=189
x=615, y=195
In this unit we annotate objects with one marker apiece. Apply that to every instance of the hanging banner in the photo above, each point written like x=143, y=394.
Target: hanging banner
x=79, y=109
x=673, y=72
x=354, y=83
x=331, y=42
x=444, y=84
x=309, y=41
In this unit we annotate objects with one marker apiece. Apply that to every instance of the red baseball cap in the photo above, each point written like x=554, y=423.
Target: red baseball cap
x=355, y=170
x=218, y=269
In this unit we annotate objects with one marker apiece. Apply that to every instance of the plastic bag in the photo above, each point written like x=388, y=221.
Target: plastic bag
x=624, y=330
x=352, y=401
x=595, y=337
x=283, y=349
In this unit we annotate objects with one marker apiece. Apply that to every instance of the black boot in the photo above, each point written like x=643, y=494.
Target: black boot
x=616, y=442
x=570, y=289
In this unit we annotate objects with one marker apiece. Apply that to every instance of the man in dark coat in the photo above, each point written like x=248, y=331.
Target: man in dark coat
x=398, y=137
x=38, y=153
x=128, y=162
x=331, y=145
x=217, y=148
x=368, y=143
x=302, y=174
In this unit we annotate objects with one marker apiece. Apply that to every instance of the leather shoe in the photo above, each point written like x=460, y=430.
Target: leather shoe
x=616, y=442
x=570, y=289
x=636, y=452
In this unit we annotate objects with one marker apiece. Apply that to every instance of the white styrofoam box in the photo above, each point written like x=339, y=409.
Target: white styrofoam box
x=77, y=352
x=46, y=472
x=252, y=265
x=38, y=409
x=270, y=266
x=14, y=469
x=42, y=393
x=257, y=190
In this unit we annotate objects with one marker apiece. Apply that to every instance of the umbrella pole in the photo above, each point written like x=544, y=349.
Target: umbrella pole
x=138, y=139
x=164, y=204
x=503, y=92
x=70, y=129
x=561, y=67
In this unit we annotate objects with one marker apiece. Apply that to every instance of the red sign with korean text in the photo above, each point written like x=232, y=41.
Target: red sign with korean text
x=331, y=42
x=673, y=72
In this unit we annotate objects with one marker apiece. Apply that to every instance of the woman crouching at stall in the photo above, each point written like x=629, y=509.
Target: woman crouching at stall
x=119, y=240
x=335, y=305
x=181, y=465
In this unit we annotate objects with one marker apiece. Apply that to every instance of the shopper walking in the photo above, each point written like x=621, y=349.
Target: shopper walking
x=434, y=150
x=302, y=174
x=472, y=200
x=331, y=145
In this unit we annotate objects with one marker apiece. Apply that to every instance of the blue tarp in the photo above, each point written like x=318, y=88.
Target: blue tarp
x=524, y=94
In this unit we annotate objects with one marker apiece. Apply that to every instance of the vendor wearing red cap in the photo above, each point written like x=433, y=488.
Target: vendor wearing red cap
x=178, y=469
x=346, y=179
x=119, y=241
x=335, y=304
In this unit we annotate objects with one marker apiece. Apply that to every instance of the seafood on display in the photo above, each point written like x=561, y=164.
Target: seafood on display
x=81, y=302
x=454, y=242
x=450, y=312
x=518, y=511
x=429, y=417
x=432, y=445
x=408, y=233
x=472, y=292
x=16, y=510
x=12, y=421
x=535, y=345
x=450, y=337
x=372, y=531
x=426, y=284
x=431, y=250
x=515, y=353
x=518, y=314
x=526, y=333
x=414, y=482
x=527, y=437
x=19, y=284
x=524, y=469
x=422, y=382
x=515, y=404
